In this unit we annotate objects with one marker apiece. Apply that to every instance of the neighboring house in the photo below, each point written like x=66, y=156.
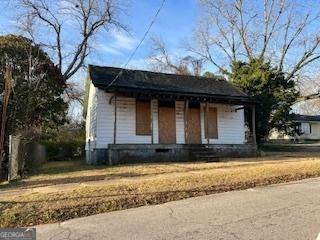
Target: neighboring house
x=140, y=116
x=308, y=126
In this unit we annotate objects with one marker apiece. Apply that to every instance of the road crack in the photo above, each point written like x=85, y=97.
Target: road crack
x=171, y=212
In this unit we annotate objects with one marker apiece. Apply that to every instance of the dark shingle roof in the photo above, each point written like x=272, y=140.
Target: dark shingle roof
x=154, y=81
x=306, y=118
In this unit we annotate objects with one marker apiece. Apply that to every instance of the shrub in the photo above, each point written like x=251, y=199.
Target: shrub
x=64, y=143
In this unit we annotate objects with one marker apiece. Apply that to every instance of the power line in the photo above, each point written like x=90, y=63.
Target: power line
x=141, y=41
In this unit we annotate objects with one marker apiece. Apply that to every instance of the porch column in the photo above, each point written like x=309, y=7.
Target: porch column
x=206, y=122
x=151, y=116
x=254, y=139
x=186, y=110
x=115, y=120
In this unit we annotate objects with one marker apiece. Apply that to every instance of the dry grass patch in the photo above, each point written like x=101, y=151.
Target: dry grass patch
x=164, y=182
x=64, y=172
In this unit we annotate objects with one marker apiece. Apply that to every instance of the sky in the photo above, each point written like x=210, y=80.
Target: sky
x=174, y=24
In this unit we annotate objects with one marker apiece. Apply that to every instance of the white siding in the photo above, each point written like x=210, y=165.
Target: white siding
x=155, y=123
x=231, y=129
x=305, y=128
x=180, y=136
x=315, y=130
x=105, y=119
x=126, y=122
x=91, y=119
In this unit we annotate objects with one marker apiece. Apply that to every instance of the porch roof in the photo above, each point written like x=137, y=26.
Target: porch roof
x=147, y=84
x=306, y=118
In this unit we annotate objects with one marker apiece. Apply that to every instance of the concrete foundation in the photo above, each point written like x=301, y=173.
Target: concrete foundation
x=139, y=153
x=97, y=156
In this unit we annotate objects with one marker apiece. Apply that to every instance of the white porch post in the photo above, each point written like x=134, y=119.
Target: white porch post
x=115, y=120
x=151, y=116
x=186, y=110
x=206, y=123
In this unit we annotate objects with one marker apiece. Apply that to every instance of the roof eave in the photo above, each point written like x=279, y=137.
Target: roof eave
x=156, y=92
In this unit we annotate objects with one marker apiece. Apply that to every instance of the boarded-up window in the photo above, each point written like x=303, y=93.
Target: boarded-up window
x=193, y=125
x=211, y=123
x=143, y=118
x=167, y=125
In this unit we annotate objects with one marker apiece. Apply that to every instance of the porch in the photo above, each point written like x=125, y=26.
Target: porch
x=147, y=116
x=170, y=119
x=144, y=153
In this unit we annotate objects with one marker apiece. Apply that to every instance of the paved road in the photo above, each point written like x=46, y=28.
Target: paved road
x=285, y=211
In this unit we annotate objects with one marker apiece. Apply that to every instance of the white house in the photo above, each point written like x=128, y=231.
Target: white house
x=308, y=125
x=139, y=116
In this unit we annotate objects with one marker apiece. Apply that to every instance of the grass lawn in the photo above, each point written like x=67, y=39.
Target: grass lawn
x=64, y=190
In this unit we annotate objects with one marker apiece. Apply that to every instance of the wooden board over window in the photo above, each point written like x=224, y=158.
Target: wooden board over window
x=192, y=126
x=143, y=118
x=212, y=123
x=167, y=125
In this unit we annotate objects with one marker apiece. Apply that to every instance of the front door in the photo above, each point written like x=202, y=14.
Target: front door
x=167, y=125
x=192, y=126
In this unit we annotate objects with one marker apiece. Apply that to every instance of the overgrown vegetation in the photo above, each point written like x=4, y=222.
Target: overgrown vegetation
x=138, y=185
x=64, y=143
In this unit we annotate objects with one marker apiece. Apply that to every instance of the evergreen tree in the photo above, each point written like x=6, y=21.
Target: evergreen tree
x=274, y=94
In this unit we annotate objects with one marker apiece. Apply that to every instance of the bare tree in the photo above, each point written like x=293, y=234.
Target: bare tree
x=66, y=29
x=309, y=103
x=74, y=93
x=281, y=31
x=162, y=60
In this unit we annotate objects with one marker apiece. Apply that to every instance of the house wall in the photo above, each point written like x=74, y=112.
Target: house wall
x=315, y=130
x=180, y=135
x=231, y=127
x=105, y=119
x=91, y=118
x=101, y=116
x=305, y=129
x=126, y=123
x=155, y=124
